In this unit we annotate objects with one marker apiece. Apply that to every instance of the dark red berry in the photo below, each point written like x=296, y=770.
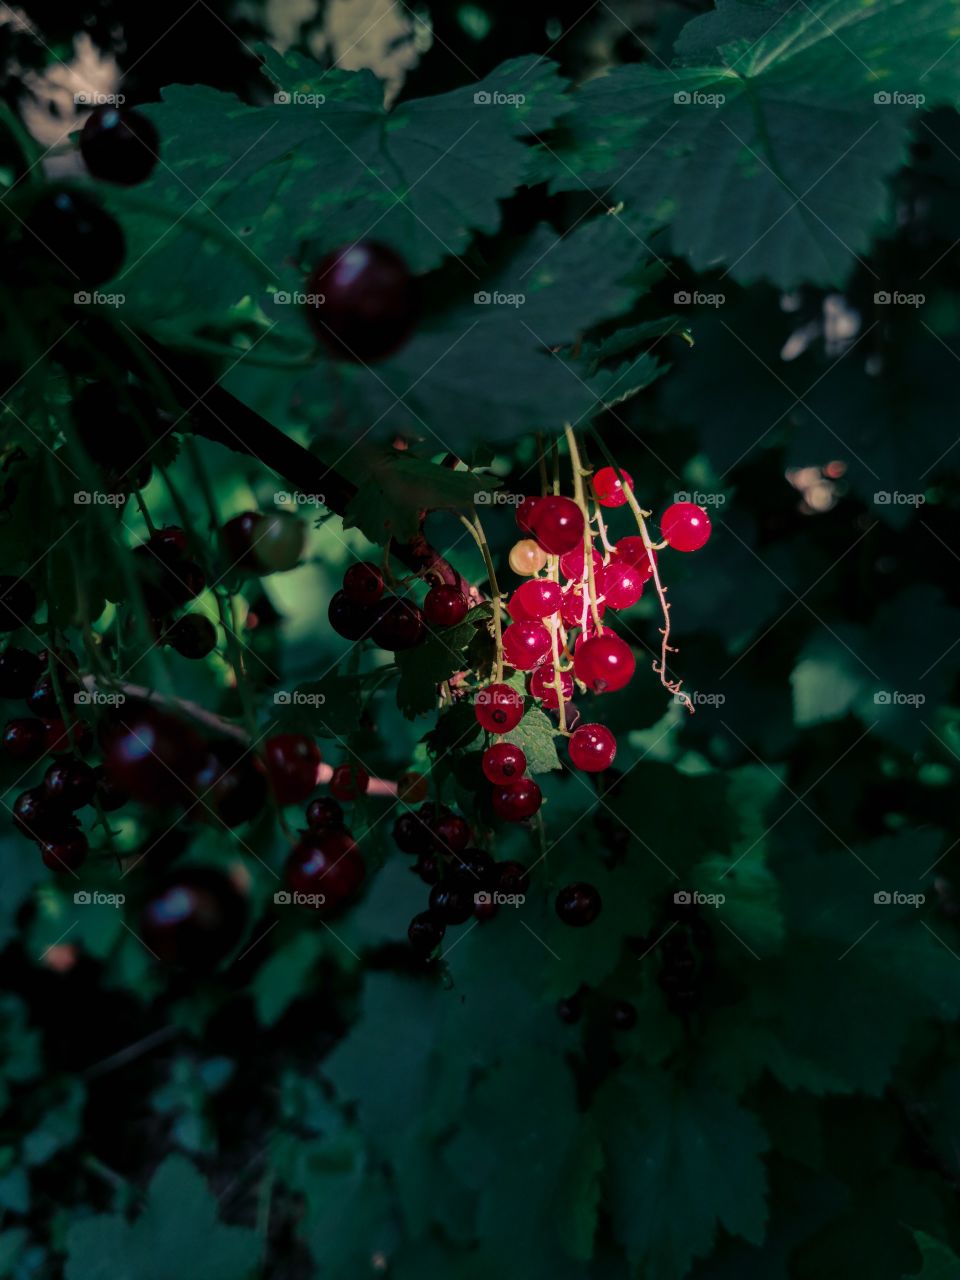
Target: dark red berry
x=65, y=853
x=592, y=747
x=604, y=663
x=40, y=816
x=230, y=784
x=426, y=932
x=476, y=870
x=452, y=901
x=71, y=783
x=43, y=697
x=578, y=904
x=60, y=740
x=633, y=551
x=451, y=833
x=349, y=619
x=24, y=739
x=503, y=763
x=526, y=645
x=412, y=834
x=81, y=243
x=324, y=815
x=19, y=672
x=445, y=605
x=194, y=919
x=513, y=878
x=363, y=583
x=399, y=626
x=18, y=603
x=518, y=801
x=623, y=1015
x=427, y=867
x=119, y=146
x=326, y=867
x=238, y=536
x=369, y=301
x=171, y=540
x=349, y=781
x=499, y=708
x=557, y=524
x=151, y=755
x=193, y=636
x=292, y=761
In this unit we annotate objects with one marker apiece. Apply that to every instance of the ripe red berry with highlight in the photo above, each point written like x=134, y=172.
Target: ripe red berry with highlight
x=71, y=783
x=151, y=755
x=538, y=598
x=621, y=585
x=349, y=781
x=503, y=763
x=498, y=708
x=324, y=815
x=685, y=526
x=526, y=645
x=369, y=301
x=517, y=801
x=557, y=524
x=292, y=760
x=399, y=626
x=543, y=686
x=633, y=551
x=349, y=619
x=24, y=739
x=451, y=833
x=41, y=816
x=194, y=918
x=571, y=564
x=592, y=748
x=65, y=853
x=571, y=607
x=363, y=583
x=119, y=146
x=525, y=509
x=326, y=865
x=608, y=487
x=445, y=605
x=604, y=663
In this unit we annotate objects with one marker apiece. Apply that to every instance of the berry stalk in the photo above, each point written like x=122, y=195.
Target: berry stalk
x=579, y=497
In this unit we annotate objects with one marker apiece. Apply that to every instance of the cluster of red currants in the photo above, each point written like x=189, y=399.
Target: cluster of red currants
x=362, y=609
x=325, y=868
x=463, y=880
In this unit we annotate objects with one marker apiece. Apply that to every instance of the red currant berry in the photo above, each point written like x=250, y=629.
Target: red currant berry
x=39, y=816
x=578, y=904
x=516, y=610
x=571, y=564
x=604, y=663
x=592, y=748
x=170, y=541
x=620, y=584
x=685, y=527
x=327, y=866
x=43, y=698
x=19, y=672
x=84, y=245
x=18, y=603
x=292, y=760
x=231, y=784
x=476, y=870
x=445, y=605
x=452, y=901
x=526, y=645
x=399, y=626
x=608, y=487
x=24, y=739
x=426, y=932
x=451, y=834
x=571, y=607
x=349, y=781
x=513, y=878
x=369, y=301
x=71, y=783
x=543, y=686
x=412, y=834
x=324, y=815
x=238, y=536
x=525, y=509
x=119, y=146
x=363, y=583
x=633, y=551
x=59, y=740
x=498, y=708
x=193, y=636
x=538, y=598
x=518, y=801
x=557, y=524
x=349, y=619
x=65, y=854
x=427, y=867
x=151, y=755
x=194, y=919
x=503, y=763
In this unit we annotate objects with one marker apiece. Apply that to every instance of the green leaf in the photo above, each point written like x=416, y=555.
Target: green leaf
x=398, y=487
x=284, y=977
x=939, y=1262
x=434, y=660
x=178, y=1233
x=757, y=171
x=536, y=735
x=683, y=1160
